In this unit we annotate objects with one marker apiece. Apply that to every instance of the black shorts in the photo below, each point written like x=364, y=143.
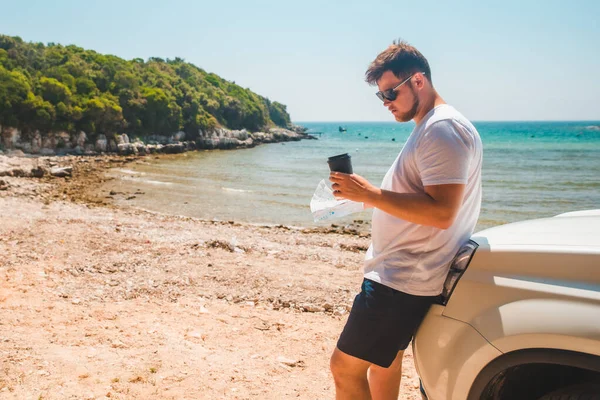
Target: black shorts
x=382, y=322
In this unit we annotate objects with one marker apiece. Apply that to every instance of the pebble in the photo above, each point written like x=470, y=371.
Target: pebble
x=312, y=308
x=117, y=344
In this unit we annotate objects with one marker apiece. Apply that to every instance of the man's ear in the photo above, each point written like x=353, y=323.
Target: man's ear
x=419, y=80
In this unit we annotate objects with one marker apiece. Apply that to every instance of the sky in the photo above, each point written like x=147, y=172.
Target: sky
x=516, y=60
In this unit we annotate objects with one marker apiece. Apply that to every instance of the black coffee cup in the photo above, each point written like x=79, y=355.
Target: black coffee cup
x=340, y=163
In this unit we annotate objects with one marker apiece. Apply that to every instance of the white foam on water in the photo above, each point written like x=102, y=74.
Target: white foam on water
x=156, y=182
x=129, y=171
x=148, y=181
x=226, y=189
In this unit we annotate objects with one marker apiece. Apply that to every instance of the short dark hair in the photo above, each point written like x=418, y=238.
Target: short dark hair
x=400, y=58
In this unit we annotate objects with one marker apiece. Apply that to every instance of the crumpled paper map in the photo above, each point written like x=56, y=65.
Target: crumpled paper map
x=324, y=205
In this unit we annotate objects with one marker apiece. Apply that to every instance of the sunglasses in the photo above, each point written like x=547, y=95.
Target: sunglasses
x=390, y=94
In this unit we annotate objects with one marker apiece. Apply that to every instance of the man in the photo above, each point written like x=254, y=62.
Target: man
x=426, y=208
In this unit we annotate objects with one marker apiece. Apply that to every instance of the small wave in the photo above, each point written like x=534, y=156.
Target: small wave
x=129, y=171
x=156, y=182
x=226, y=189
x=148, y=181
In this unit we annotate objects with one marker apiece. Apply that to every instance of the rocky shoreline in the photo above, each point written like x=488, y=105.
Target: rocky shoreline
x=62, y=143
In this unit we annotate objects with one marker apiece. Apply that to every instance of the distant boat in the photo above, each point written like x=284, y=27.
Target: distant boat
x=342, y=129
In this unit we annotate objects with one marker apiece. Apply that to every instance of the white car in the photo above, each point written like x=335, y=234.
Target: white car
x=519, y=317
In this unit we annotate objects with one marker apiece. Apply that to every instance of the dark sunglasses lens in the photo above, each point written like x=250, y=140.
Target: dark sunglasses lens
x=389, y=94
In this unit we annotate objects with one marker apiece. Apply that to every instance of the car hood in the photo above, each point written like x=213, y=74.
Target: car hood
x=577, y=229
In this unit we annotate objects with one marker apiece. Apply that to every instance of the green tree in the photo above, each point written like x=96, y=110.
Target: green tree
x=54, y=91
x=161, y=113
x=14, y=89
x=37, y=114
x=102, y=115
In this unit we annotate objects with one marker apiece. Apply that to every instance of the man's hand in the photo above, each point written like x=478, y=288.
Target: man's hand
x=353, y=187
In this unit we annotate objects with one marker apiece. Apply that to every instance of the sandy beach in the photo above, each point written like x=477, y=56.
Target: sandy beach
x=100, y=302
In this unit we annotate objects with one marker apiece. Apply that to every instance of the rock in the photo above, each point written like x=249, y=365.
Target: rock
x=312, y=308
x=15, y=153
x=126, y=149
x=89, y=150
x=80, y=139
x=62, y=141
x=38, y=172
x=26, y=147
x=117, y=344
x=157, y=139
x=61, y=172
x=178, y=137
x=36, y=142
x=10, y=137
x=290, y=362
x=101, y=144
x=140, y=147
x=174, y=148
x=3, y=185
x=16, y=172
x=123, y=139
x=190, y=145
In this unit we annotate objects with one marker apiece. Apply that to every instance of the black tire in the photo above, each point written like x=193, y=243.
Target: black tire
x=586, y=391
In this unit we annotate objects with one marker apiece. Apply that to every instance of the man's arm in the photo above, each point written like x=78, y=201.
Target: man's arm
x=437, y=207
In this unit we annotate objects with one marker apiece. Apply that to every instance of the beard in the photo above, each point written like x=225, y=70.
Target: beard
x=410, y=114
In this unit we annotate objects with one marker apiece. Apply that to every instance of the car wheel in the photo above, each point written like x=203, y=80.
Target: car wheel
x=586, y=391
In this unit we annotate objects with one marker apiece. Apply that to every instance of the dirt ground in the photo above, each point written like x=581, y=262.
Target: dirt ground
x=99, y=302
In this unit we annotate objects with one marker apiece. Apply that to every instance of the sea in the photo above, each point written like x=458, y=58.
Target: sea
x=530, y=170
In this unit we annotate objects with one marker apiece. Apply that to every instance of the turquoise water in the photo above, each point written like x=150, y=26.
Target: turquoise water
x=530, y=169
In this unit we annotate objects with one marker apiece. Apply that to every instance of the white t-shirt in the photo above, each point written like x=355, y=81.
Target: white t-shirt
x=444, y=148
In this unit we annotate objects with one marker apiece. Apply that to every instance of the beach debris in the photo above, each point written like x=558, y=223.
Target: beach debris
x=262, y=326
x=61, y=172
x=230, y=246
x=290, y=362
x=354, y=248
x=195, y=336
x=311, y=308
x=219, y=244
x=117, y=344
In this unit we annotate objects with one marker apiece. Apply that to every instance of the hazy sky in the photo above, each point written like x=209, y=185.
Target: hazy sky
x=501, y=60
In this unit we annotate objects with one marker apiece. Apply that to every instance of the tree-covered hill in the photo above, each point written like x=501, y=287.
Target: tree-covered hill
x=51, y=88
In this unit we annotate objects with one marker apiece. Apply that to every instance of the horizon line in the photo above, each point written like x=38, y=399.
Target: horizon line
x=472, y=120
